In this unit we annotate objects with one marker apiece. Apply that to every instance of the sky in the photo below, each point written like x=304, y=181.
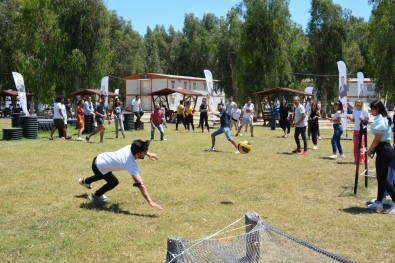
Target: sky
x=171, y=12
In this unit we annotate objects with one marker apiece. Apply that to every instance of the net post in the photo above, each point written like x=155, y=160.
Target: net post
x=174, y=250
x=252, y=242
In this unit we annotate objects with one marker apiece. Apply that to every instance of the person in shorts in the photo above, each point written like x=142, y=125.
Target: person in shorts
x=100, y=113
x=247, y=115
x=225, y=127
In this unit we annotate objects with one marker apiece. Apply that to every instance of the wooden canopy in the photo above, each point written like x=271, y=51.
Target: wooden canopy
x=161, y=95
x=87, y=92
x=270, y=95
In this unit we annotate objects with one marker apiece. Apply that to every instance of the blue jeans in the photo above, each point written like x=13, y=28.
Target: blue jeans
x=337, y=133
x=160, y=128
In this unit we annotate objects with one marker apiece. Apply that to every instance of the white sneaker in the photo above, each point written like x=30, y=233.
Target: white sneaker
x=342, y=156
x=315, y=147
x=240, y=134
x=79, y=139
x=390, y=211
x=102, y=198
x=212, y=149
x=333, y=156
x=319, y=138
x=376, y=206
x=384, y=201
x=237, y=152
x=81, y=181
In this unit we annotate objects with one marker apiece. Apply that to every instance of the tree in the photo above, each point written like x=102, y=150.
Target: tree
x=326, y=36
x=382, y=46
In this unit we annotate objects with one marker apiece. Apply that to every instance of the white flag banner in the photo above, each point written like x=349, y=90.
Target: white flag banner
x=104, y=87
x=210, y=90
x=360, y=78
x=343, y=90
x=20, y=86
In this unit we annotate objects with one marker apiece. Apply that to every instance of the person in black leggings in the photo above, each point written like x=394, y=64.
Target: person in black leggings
x=314, y=116
x=381, y=128
x=204, y=115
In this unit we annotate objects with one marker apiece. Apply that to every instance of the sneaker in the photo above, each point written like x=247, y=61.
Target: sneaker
x=237, y=134
x=333, y=156
x=342, y=156
x=390, y=211
x=384, y=202
x=252, y=135
x=102, y=198
x=285, y=136
x=164, y=139
x=319, y=138
x=212, y=149
x=79, y=139
x=304, y=153
x=297, y=151
x=240, y=134
x=81, y=181
x=69, y=138
x=87, y=138
x=315, y=147
x=376, y=206
x=237, y=152
x=50, y=138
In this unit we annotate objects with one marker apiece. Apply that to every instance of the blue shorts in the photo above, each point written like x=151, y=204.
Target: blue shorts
x=225, y=130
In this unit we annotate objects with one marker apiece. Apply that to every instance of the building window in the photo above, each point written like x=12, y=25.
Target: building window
x=370, y=87
x=185, y=85
x=173, y=84
x=194, y=85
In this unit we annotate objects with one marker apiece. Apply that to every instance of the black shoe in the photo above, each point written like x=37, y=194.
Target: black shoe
x=87, y=138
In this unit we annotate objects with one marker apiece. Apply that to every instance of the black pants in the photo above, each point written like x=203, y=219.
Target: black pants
x=204, y=119
x=138, y=115
x=189, y=121
x=298, y=131
x=180, y=119
x=110, y=178
x=314, y=132
x=385, y=154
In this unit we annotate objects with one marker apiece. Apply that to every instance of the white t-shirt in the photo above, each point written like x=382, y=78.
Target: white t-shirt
x=122, y=159
x=235, y=114
x=136, y=105
x=56, y=107
x=298, y=116
x=337, y=115
x=358, y=115
x=229, y=107
x=248, y=110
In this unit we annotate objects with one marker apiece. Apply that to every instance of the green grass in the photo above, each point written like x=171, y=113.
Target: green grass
x=46, y=216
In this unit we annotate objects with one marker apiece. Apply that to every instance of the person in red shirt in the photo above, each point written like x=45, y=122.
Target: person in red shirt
x=156, y=122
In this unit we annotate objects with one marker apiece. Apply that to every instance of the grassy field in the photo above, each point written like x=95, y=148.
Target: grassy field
x=46, y=216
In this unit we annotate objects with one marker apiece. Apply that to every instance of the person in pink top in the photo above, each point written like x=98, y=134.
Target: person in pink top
x=156, y=122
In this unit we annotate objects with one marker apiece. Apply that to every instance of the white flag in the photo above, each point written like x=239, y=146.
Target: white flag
x=343, y=90
x=360, y=77
x=104, y=87
x=20, y=86
x=210, y=89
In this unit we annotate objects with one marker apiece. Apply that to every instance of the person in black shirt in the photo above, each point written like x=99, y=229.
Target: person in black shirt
x=204, y=115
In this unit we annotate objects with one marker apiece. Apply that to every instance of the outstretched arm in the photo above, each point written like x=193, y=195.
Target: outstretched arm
x=144, y=192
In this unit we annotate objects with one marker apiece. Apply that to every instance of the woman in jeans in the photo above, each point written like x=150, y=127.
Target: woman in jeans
x=381, y=128
x=118, y=117
x=337, y=130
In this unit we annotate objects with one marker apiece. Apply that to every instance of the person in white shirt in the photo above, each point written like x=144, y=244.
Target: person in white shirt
x=137, y=110
x=359, y=116
x=59, y=119
x=247, y=116
x=300, y=123
x=125, y=158
x=235, y=117
x=230, y=105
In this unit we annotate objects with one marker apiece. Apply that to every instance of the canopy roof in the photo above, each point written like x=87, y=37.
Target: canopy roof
x=282, y=90
x=87, y=92
x=11, y=92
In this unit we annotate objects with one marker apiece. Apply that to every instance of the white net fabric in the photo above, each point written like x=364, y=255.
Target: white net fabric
x=263, y=243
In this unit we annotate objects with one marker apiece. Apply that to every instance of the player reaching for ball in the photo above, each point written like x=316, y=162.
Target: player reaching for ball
x=124, y=159
x=225, y=127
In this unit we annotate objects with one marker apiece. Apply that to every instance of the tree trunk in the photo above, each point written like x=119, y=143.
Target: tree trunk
x=324, y=100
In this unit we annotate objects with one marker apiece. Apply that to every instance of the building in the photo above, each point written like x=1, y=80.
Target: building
x=368, y=93
x=143, y=84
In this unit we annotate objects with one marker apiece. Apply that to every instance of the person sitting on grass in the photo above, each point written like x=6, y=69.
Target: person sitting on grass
x=125, y=158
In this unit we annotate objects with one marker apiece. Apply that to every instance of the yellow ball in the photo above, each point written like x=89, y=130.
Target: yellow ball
x=244, y=147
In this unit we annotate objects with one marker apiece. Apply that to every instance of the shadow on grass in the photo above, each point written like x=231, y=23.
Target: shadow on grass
x=216, y=151
x=345, y=162
x=113, y=208
x=287, y=153
x=359, y=210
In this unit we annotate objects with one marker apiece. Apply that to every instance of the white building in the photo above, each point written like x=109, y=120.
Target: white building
x=368, y=93
x=143, y=84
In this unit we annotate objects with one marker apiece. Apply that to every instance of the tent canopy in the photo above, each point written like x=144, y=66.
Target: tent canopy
x=87, y=92
x=270, y=95
x=11, y=92
x=161, y=95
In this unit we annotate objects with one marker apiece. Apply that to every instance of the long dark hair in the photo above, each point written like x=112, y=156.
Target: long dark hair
x=339, y=105
x=378, y=104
